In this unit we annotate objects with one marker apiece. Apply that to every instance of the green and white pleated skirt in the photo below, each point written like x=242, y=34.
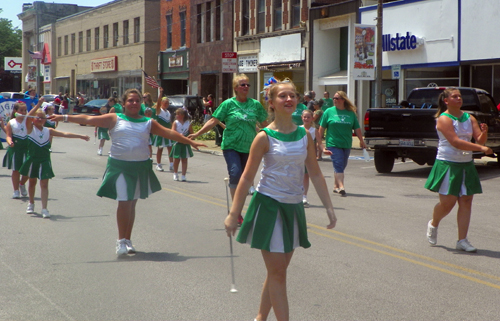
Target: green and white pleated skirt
x=102, y=133
x=128, y=180
x=14, y=158
x=273, y=226
x=449, y=178
x=181, y=151
x=161, y=142
x=40, y=168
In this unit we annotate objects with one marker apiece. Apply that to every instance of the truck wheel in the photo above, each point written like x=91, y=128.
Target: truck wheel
x=384, y=161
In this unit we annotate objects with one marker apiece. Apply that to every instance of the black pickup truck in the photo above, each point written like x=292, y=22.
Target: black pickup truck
x=411, y=132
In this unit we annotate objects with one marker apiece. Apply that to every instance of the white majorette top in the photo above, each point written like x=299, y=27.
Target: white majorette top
x=463, y=128
x=130, y=138
x=19, y=128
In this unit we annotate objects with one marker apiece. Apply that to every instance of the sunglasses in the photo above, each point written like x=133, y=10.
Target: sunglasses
x=336, y=98
x=245, y=85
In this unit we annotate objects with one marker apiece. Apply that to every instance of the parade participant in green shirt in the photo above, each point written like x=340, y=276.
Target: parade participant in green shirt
x=297, y=114
x=327, y=101
x=240, y=115
x=340, y=121
x=115, y=106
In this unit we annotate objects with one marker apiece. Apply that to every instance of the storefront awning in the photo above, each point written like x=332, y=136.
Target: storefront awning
x=338, y=78
x=284, y=65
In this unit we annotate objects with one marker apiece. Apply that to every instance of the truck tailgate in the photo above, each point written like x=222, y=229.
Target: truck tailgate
x=400, y=123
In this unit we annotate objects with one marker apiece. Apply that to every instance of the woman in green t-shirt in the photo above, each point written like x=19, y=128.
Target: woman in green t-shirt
x=340, y=121
x=241, y=116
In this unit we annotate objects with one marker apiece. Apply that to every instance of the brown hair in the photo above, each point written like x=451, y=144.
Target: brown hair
x=16, y=108
x=441, y=104
x=148, y=101
x=130, y=91
x=347, y=103
x=273, y=91
x=183, y=112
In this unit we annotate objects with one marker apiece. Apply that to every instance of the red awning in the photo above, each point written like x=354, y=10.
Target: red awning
x=46, y=60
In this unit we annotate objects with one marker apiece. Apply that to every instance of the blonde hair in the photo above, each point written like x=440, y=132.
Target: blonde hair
x=237, y=79
x=272, y=91
x=347, y=103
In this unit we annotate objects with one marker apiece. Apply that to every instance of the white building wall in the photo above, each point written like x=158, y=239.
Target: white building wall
x=436, y=21
x=479, y=30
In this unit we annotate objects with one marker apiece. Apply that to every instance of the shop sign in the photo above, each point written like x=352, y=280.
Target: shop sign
x=31, y=75
x=248, y=63
x=175, y=61
x=46, y=73
x=229, y=62
x=364, y=57
x=400, y=42
x=104, y=64
x=13, y=64
x=396, y=71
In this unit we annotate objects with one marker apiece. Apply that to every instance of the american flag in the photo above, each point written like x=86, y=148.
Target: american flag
x=35, y=55
x=150, y=80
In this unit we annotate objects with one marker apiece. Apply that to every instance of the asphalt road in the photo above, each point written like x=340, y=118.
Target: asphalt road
x=375, y=265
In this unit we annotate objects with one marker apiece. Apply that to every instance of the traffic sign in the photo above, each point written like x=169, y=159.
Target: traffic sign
x=229, y=62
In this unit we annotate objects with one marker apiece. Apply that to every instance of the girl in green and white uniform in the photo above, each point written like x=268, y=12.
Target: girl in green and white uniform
x=163, y=118
x=181, y=152
x=38, y=164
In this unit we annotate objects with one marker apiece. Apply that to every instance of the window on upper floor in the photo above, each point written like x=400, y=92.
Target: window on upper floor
x=169, y=31
x=295, y=9
x=73, y=43
x=80, y=41
x=137, y=29
x=105, y=35
x=218, y=20
x=182, y=17
x=115, y=34
x=125, y=32
x=199, y=23
x=89, y=39
x=261, y=16
x=66, y=45
x=96, y=38
x=245, y=17
x=278, y=15
x=208, y=21
x=59, y=46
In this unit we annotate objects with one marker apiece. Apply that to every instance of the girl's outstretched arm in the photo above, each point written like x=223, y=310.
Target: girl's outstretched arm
x=259, y=147
x=164, y=132
x=58, y=133
x=104, y=121
x=319, y=182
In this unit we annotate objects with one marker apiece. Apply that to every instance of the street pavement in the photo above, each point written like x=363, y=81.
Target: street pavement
x=375, y=265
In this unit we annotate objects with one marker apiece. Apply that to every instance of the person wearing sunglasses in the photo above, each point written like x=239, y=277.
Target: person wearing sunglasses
x=340, y=121
x=240, y=115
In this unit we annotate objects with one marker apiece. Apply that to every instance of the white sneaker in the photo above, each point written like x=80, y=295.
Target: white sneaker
x=171, y=168
x=176, y=177
x=45, y=213
x=251, y=190
x=16, y=195
x=130, y=247
x=305, y=202
x=22, y=189
x=464, y=245
x=183, y=178
x=159, y=168
x=99, y=152
x=31, y=208
x=121, y=247
x=432, y=233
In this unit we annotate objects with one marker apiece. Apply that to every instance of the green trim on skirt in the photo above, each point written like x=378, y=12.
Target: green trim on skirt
x=37, y=168
x=159, y=141
x=261, y=217
x=102, y=133
x=132, y=172
x=14, y=158
x=456, y=177
x=180, y=150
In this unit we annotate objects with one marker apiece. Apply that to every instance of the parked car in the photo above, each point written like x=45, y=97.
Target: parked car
x=92, y=107
x=12, y=95
x=49, y=97
x=194, y=105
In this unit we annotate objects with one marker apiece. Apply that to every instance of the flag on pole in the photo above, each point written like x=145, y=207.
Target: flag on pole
x=35, y=55
x=150, y=80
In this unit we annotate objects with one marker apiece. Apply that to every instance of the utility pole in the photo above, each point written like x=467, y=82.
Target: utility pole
x=378, y=75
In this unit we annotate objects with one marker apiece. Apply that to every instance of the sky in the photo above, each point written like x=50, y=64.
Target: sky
x=12, y=8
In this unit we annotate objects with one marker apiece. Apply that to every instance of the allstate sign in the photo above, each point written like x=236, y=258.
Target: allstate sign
x=400, y=42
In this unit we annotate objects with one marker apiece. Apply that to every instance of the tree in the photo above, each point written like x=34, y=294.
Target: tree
x=10, y=46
